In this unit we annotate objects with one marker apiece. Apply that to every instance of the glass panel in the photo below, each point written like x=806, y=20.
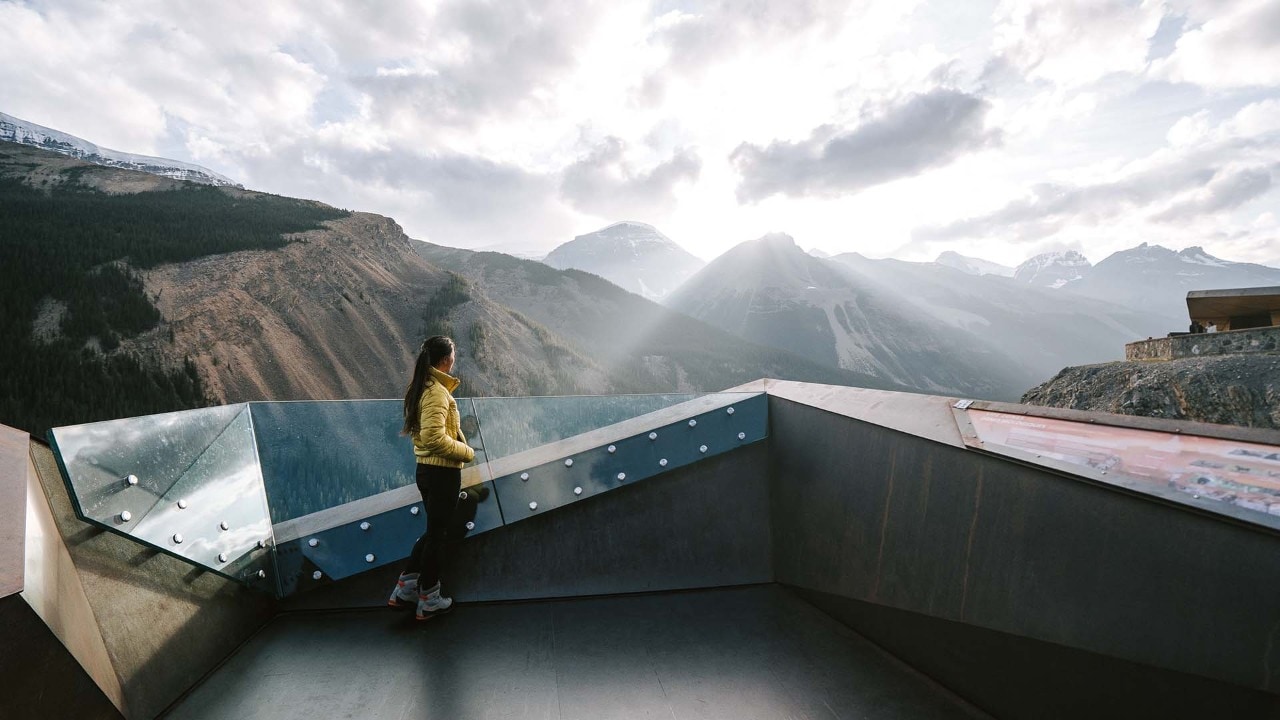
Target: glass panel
x=198, y=492
x=318, y=455
x=99, y=459
x=1213, y=472
x=580, y=467
x=513, y=425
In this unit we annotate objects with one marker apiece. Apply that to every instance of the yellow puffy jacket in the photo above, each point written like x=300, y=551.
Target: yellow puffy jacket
x=439, y=440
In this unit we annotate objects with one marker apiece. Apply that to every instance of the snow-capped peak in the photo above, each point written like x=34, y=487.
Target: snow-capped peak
x=17, y=130
x=1197, y=256
x=1053, y=269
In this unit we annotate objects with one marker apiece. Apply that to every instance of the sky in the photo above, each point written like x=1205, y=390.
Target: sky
x=899, y=129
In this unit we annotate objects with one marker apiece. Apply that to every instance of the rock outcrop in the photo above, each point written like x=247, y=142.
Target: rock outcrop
x=1228, y=390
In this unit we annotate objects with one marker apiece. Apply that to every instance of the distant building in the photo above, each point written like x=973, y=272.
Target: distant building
x=1222, y=322
x=1239, y=309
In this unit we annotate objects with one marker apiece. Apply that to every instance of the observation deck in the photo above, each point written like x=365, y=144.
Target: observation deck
x=781, y=549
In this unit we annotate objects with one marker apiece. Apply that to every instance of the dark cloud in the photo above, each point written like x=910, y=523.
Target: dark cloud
x=602, y=183
x=924, y=131
x=1227, y=190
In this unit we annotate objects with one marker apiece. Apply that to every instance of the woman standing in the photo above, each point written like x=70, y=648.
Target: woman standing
x=431, y=418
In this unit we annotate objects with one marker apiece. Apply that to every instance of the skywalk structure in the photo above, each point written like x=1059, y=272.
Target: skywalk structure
x=780, y=550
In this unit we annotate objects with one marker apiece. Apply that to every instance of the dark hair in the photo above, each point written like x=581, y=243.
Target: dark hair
x=434, y=349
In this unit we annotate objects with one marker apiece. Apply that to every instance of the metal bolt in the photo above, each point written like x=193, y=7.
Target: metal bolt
x=368, y=558
x=413, y=510
x=533, y=506
x=131, y=480
x=1196, y=497
x=462, y=495
x=313, y=542
x=471, y=525
x=568, y=463
x=653, y=436
x=317, y=575
x=222, y=557
x=262, y=544
x=177, y=538
x=622, y=476
x=364, y=526
x=663, y=462
x=524, y=476
x=702, y=448
x=577, y=491
x=262, y=574
x=125, y=516
x=693, y=423
x=613, y=449
x=730, y=411
x=742, y=436
x=182, y=504
x=223, y=525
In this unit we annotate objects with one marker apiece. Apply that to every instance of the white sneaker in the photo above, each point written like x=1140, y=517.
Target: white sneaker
x=405, y=592
x=432, y=603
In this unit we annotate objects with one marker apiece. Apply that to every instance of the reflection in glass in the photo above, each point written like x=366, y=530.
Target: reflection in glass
x=513, y=425
x=196, y=472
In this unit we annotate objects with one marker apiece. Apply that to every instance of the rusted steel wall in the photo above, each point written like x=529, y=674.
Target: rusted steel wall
x=887, y=517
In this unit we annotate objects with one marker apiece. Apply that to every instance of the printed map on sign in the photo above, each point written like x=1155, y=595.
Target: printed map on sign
x=1244, y=474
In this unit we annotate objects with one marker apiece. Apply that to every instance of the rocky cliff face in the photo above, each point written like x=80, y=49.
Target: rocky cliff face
x=1228, y=390
x=338, y=314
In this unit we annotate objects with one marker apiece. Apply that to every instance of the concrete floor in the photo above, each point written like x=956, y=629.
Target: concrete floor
x=751, y=652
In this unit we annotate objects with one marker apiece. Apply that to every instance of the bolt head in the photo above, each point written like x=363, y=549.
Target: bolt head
x=613, y=448
x=533, y=506
x=568, y=463
x=131, y=480
x=313, y=542
x=262, y=544
x=742, y=436
x=222, y=557
x=524, y=476
x=177, y=538
x=653, y=436
x=663, y=462
x=364, y=526
x=413, y=510
x=125, y=516
x=224, y=526
x=262, y=574
x=702, y=448
x=730, y=411
x=182, y=504
x=622, y=476
x=462, y=495
x=471, y=525
x=577, y=491
x=317, y=575
x=369, y=558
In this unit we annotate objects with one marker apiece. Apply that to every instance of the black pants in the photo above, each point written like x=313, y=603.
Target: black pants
x=439, y=487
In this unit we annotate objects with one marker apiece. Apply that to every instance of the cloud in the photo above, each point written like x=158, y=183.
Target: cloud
x=604, y=184
x=1206, y=171
x=1227, y=190
x=479, y=60
x=923, y=131
x=1230, y=44
x=1074, y=42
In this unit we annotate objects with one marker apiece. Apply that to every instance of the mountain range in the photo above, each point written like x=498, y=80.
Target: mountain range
x=22, y=132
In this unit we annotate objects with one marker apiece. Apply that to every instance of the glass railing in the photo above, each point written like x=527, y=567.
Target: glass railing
x=290, y=495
